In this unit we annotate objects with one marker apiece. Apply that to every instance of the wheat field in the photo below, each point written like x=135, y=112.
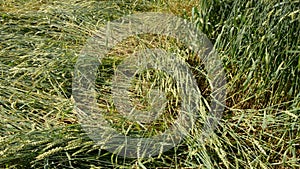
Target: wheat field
x=257, y=42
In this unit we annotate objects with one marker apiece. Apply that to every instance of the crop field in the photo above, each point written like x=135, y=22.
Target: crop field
x=256, y=41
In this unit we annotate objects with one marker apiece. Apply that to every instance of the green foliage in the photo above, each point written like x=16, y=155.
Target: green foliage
x=258, y=42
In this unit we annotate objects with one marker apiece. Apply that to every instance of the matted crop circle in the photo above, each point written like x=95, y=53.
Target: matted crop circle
x=98, y=46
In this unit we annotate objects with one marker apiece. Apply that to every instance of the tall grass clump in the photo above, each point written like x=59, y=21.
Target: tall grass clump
x=258, y=42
